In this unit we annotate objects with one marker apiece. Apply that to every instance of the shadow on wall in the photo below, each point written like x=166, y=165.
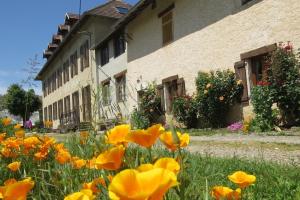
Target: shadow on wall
x=189, y=16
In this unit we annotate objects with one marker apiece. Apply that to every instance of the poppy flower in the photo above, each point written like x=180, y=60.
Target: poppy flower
x=20, y=133
x=111, y=159
x=17, y=126
x=95, y=185
x=146, y=138
x=6, y=121
x=85, y=194
x=13, y=189
x=118, y=134
x=164, y=163
x=169, y=141
x=14, y=166
x=242, y=179
x=63, y=156
x=220, y=192
x=152, y=184
x=78, y=163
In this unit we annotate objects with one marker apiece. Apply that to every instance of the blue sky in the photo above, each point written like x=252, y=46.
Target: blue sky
x=26, y=27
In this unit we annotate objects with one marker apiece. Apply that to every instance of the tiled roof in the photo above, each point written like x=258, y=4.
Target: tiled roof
x=110, y=9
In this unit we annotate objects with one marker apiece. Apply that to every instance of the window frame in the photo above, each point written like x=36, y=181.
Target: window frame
x=106, y=93
x=66, y=71
x=104, y=54
x=74, y=64
x=120, y=82
x=119, y=45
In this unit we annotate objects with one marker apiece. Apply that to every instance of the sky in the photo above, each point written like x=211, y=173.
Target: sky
x=26, y=28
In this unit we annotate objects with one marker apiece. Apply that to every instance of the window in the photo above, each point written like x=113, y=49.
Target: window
x=104, y=53
x=49, y=85
x=55, y=111
x=174, y=87
x=67, y=104
x=167, y=25
x=75, y=103
x=84, y=55
x=45, y=114
x=60, y=109
x=121, y=88
x=54, y=81
x=66, y=71
x=86, y=103
x=119, y=45
x=245, y=1
x=106, y=93
x=59, y=77
x=44, y=89
x=122, y=10
x=258, y=69
x=74, y=65
x=50, y=112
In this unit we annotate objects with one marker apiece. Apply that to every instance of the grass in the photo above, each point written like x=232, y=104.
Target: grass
x=199, y=174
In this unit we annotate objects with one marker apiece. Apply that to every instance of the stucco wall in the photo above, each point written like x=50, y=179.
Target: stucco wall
x=208, y=35
x=96, y=27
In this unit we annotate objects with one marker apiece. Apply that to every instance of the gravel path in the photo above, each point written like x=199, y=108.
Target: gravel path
x=283, y=149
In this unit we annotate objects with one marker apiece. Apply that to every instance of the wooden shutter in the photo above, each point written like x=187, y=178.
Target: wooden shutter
x=240, y=71
x=180, y=87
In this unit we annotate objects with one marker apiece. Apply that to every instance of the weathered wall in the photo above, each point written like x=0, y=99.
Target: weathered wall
x=209, y=35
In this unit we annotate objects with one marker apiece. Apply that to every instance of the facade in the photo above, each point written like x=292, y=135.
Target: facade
x=69, y=76
x=111, y=54
x=171, y=40
x=165, y=41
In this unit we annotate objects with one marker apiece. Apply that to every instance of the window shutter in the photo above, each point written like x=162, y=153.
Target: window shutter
x=240, y=71
x=81, y=58
x=180, y=87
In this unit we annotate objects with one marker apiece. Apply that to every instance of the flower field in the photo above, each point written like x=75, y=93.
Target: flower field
x=127, y=164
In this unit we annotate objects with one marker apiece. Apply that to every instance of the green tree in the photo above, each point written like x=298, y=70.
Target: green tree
x=22, y=103
x=2, y=102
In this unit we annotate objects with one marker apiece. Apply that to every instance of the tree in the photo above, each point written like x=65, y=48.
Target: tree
x=22, y=103
x=2, y=102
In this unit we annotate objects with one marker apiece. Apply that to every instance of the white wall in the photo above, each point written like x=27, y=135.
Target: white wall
x=208, y=35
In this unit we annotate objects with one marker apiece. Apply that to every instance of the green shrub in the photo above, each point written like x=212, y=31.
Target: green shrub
x=185, y=111
x=284, y=79
x=216, y=93
x=262, y=103
x=149, y=110
x=139, y=120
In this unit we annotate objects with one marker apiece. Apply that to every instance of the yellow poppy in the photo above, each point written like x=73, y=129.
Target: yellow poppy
x=13, y=189
x=164, y=163
x=118, y=134
x=14, y=166
x=95, y=185
x=152, y=184
x=111, y=159
x=17, y=126
x=6, y=121
x=85, y=194
x=20, y=133
x=242, y=179
x=146, y=138
x=40, y=155
x=78, y=163
x=220, y=192
x=167, y=139
x=2, y=136
x=63, y=156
